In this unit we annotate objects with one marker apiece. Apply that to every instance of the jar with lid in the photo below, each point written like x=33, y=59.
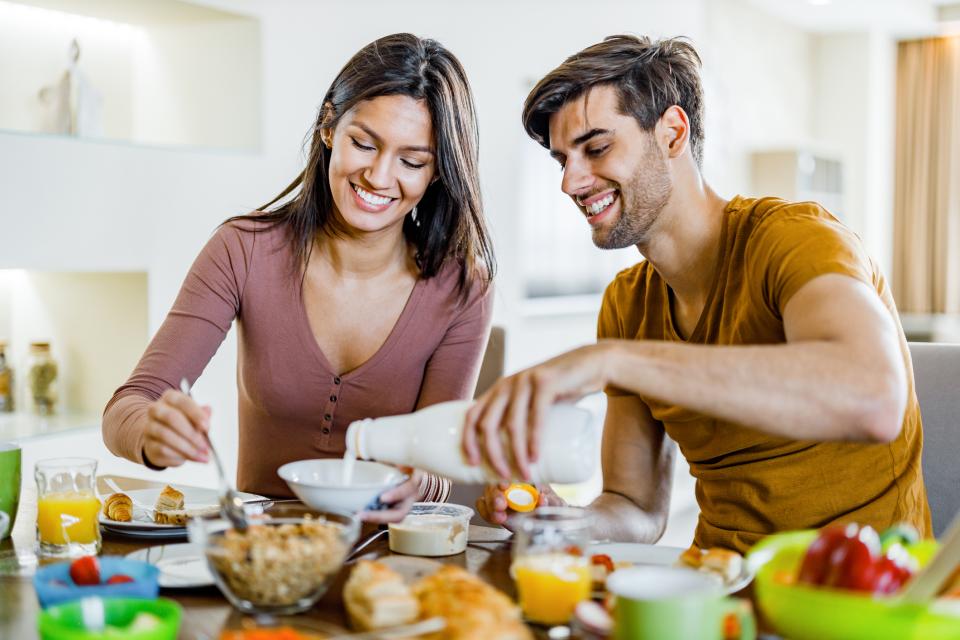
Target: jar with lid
x=42, y=378
x=6, y=380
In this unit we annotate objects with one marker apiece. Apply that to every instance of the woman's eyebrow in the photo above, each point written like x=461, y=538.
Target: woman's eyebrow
x=373, y=134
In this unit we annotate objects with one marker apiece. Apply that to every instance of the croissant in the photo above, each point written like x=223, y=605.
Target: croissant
x=119, y=507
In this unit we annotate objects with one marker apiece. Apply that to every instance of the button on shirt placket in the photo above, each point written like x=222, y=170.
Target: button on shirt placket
x=329, y=410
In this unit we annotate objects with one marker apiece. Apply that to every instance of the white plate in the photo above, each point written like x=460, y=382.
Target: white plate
x=193, y=498
x=182, y=566
x=148, y=534
x=658, y=556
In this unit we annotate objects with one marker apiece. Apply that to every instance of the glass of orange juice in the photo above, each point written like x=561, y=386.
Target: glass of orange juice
x=550, y=563
x=67, y=507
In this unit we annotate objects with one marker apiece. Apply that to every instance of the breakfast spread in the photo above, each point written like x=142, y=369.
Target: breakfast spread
x=428, y=535
x=277, y=564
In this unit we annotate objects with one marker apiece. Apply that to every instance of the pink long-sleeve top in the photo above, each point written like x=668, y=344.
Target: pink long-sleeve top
x=292, y=405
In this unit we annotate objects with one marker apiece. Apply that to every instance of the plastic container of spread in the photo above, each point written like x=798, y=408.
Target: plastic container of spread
x=431, y=529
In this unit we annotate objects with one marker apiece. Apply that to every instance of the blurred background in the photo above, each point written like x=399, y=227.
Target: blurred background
x=129, y=129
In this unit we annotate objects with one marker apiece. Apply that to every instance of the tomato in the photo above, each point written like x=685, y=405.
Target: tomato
x=85, y=570
x=816, y=561
x=119, y=578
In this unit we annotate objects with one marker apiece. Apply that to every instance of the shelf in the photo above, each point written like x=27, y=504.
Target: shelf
x=22, y=426
x=151, y=72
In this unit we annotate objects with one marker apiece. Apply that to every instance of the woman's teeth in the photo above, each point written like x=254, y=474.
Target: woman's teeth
x=600, y=205
x=371, y=198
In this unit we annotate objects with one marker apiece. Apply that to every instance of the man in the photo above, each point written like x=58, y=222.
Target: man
x=757, y=334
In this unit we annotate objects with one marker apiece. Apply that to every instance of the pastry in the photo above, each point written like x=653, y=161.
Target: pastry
x=169, y=500
x=472, y=609
x=722, y=563
x=119, y=507
x=377, y=597
x=727, y=564
x=179, y=517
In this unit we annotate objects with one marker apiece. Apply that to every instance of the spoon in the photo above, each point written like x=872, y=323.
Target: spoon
x=927, y=583
x=230, y=503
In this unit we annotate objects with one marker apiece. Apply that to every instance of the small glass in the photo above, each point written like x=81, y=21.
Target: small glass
x=67, y=507
x=550, y=566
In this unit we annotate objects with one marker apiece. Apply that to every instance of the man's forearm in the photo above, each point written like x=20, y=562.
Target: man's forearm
x=618, y=519
x=803, y=391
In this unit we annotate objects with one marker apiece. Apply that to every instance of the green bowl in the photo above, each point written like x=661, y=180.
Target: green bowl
x=65, y=621
x=802, y=612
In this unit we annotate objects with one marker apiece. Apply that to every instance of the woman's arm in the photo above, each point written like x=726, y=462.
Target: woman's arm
x=208, y=301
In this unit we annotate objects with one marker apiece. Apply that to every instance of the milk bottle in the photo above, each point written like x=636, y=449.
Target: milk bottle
x=430, y=439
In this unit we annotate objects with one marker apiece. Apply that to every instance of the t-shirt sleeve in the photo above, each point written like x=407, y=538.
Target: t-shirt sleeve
x=610, y=326
x=790, y=249
x=193, y=330
x=452, y=371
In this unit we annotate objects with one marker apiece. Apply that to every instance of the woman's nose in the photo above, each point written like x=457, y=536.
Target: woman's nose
x=380, y=173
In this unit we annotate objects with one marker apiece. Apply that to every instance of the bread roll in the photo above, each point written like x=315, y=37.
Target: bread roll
x=377, y=597
x=119, y=507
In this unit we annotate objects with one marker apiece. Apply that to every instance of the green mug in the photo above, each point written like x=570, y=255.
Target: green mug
x=671, y=603
x=9, y=482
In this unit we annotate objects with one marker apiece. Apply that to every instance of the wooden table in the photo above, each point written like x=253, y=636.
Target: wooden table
x=206, y=611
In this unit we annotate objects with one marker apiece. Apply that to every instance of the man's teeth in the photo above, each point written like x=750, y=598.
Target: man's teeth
x=371, y=198
x=600, y=205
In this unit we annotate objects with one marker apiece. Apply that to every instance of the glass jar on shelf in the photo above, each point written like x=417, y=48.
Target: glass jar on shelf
x=42, y=379
x=6, y=380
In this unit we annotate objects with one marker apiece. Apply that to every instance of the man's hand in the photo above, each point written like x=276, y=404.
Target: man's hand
x=519, y=404
x=492, y=505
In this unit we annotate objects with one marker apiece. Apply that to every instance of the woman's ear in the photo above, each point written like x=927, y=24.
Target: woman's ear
x=326, y=124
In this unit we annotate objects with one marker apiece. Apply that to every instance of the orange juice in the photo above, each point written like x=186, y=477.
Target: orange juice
x=550, y=585
x=68, y=516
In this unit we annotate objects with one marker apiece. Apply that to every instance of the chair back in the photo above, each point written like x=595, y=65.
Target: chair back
x=936, y=373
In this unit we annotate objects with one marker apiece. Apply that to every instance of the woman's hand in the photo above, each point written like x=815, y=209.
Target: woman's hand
x=175, y=430
x=492, y=505
x=519, y=404
x=400, y=499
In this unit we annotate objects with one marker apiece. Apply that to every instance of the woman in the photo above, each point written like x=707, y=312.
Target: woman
x=361, y=290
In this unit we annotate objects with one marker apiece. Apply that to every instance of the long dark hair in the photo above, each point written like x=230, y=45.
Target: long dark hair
x=650, y=75
x=450, y=222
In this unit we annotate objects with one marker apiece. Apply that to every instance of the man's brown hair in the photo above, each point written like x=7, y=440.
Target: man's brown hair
x=650, y=75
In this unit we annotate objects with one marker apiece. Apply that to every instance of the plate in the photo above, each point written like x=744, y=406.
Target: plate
x=182, y=566
x=193, y=498
x=660, y=556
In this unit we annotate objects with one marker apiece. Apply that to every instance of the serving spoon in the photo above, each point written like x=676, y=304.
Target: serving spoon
x=230, y=502
x=927, y=583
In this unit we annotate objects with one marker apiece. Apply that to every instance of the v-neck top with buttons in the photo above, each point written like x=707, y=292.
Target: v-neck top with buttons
x=748, y=483
x=292, y=405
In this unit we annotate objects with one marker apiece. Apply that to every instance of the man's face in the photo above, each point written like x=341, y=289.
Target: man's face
x=613, y=170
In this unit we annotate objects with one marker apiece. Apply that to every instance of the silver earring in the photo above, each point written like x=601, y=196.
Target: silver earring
x=413, y=216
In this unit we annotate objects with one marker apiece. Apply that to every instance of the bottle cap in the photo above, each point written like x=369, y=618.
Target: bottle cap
x=522, y=497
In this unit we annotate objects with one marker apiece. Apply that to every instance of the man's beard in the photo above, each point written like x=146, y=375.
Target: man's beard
x=641, y=201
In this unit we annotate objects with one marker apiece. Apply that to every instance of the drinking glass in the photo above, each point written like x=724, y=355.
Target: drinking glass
x=67, y=507
x=550, y=566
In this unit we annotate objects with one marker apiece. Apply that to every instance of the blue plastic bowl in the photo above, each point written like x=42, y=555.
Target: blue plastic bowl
x=51, y=592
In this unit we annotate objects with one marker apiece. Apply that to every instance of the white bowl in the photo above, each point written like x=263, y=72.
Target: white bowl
x=319, y=483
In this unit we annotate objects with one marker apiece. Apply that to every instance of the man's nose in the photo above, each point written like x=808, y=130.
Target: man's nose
x=576, y=178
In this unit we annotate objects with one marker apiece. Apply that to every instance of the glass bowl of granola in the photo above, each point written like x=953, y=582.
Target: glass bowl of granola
x=283, y=563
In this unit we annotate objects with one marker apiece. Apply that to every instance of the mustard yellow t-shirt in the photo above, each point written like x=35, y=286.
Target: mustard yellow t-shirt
x=748, y=483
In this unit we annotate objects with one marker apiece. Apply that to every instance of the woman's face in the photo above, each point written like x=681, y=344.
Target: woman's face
x=382, y=161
